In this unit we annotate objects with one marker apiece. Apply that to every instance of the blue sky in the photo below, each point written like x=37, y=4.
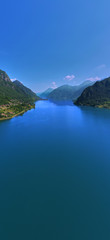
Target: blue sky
x=46, y=43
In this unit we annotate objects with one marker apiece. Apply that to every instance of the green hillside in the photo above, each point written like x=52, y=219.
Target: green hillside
x=14, y=90
x=14, y=97
x=45, y=94
x=67, y=92
x=97, y=95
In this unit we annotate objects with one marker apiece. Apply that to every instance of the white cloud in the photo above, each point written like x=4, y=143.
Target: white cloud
x=101, y=66
x=13, y=79
x=69, y=77
x=54, y=85
x=94, y=79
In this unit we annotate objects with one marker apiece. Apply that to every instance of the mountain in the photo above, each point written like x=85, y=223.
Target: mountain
x=14, y=90
x=67, y=92
x=26, y=91
x=45, y=94
x=14, y=97
x=97, y=95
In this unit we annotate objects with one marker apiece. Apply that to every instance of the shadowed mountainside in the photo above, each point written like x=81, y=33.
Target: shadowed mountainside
x=14, y=90
x=97, y=95
x=14, y=97
x=45, y=94
x=67, y=92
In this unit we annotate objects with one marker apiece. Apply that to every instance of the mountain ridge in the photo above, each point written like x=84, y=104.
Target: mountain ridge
x=68, y=92
x=14, y=97
x=97, y=95
x=45, y=93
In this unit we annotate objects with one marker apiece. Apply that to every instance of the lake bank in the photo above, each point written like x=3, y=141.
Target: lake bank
x=11, y=110
x=55, y=174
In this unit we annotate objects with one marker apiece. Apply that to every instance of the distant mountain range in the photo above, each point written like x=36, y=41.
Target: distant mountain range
x=67, y=92
x=44, y=95
x=97, y=95
x=14, y=97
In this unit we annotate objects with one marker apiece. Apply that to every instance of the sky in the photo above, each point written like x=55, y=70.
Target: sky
x=48, y=43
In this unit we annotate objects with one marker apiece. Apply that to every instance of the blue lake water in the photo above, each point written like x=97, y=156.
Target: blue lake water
x=55, y=174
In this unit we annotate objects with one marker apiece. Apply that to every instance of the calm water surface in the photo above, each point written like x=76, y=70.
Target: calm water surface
x=55, y=174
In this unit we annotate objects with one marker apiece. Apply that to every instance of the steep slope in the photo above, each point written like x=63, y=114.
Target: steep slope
x=7, y=90
x=67, y=92
x=14, y=97
x=97, y=95
x=45, y=94
x=30, y=95
x=14, y=91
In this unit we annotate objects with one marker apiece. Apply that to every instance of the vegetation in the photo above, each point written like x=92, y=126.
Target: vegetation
x=67, y=92
x=14, y=97
x=97, y=95
x=45, y=94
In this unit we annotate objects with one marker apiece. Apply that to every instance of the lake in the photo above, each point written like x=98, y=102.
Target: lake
x=55, y=174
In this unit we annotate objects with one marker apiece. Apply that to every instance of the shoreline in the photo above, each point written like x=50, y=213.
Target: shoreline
x=8, y=118
x=96, y=106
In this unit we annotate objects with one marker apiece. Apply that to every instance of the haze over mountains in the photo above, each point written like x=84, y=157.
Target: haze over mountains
x=45, y=94
x=67, y=92
x=88, y=93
